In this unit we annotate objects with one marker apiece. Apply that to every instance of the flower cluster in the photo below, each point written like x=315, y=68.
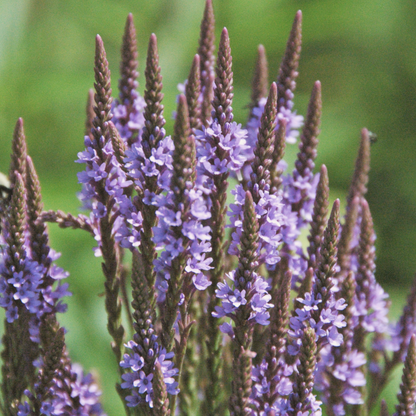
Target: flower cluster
x=290, y=327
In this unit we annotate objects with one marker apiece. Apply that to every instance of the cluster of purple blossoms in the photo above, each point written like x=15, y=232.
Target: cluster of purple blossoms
x=106, y=170
x=255, y=295
x=27, y=284
x=164, y=198
x=73, y=393
x=129, y=122
x=194, y=241
x=271, y=218
x=294, y=121
x=138, y=381
x=138, y=166
x=211, y=142
x=326, y=328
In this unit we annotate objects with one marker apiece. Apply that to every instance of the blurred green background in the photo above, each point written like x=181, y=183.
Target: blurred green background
x=363, y=52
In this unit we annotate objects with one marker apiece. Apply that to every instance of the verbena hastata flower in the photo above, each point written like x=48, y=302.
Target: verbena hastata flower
x=286, y=86
x=27, y=272
x=268, y=206
x=144, y=352
x=180, y=230
x=34, y=343
x=164, y=198
x=128, y=109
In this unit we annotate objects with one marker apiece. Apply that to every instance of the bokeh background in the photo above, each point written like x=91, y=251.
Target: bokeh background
x=363, y=52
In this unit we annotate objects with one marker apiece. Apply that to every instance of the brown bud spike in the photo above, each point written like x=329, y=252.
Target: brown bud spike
x=347, y=234
x=223, y=92
x=327, y=260
x=366, y=253
x=19, y=152
x=160, y=401
x=278, y=153
x=320, y=212
x=248, y=258
x=17, y=221
x=153, y=112
x=89, y=110
x=265, y=145
x=288, y=68
x=407, y=395
x=206, y=44
x=279, y=319
x=193, y=91
x=128, y=65
x=309, y=138
x=362, y=167
x=384, y=410
x=207, y=97
x=117, y=142
x=260, y=78
x=184, y=153
x=37, y=230
x=102, y=96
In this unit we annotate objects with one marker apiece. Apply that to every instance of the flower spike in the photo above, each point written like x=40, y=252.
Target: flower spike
x=128, y=66
x=260, y=82
x=223, y=91
x=193, y=90
x=19, y=152
x=320, y=212
x=407, y=395
x=286, y=80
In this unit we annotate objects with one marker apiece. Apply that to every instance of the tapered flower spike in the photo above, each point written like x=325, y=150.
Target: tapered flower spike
x=336, y=385
x=320, y=212
x=223, y=91
x=260, y=82
x=260, y=175
x=327, y=260
x=278, y=153
x=183, y=174
x=102, y=97
x=17, y=223
x=241, y=383
x=248, y=258
x=207, y=97
x=384, y=410
x=37, y=230
x=128, y=65
x=53, y=344
x=193, y=91
x=300, y=399
x=144, y=313
x=153, y=131
x=277, y=336
x=19, y=152
x=89, y=110
x=309, y=138
x=366, y=285
x=119, y=147
x=19, y=351
x=160, y=395
x=359, y=181
x=347, y=236
x=407, y=395
x=286, y=81
x=206, y=45
x=405, y=329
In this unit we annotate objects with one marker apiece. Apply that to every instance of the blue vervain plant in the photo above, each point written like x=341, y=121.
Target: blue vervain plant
x=210, y=321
